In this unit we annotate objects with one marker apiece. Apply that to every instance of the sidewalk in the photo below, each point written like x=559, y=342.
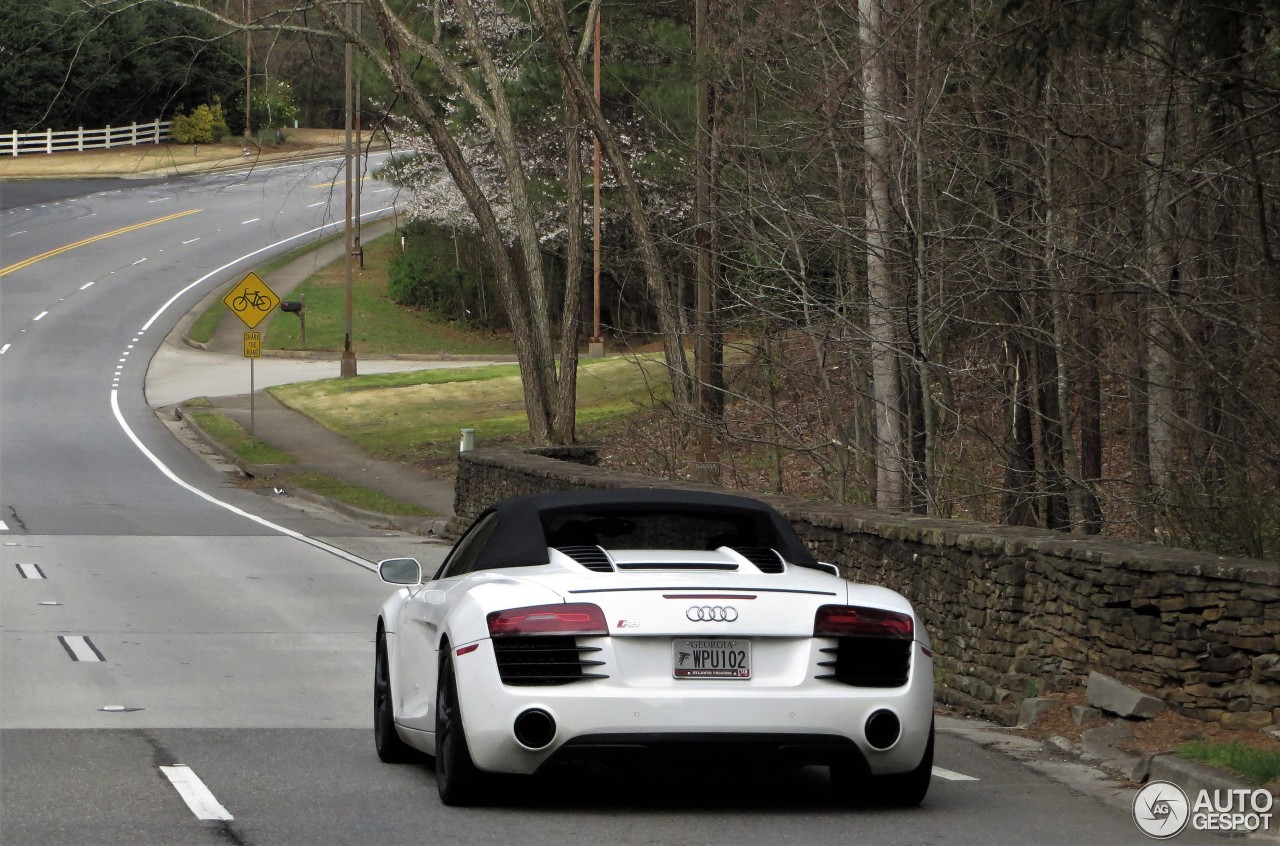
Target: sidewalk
x=182, y=370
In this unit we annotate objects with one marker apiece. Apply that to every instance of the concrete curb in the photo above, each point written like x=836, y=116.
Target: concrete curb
x=1097, y=749
x=1193, y=776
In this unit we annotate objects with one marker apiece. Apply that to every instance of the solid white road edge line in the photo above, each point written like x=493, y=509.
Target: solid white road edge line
x=199, y=798
x=163, y=468
x=950, y=775
x=261, y=521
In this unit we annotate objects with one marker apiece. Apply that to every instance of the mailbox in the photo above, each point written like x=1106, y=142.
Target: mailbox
x=291, y=305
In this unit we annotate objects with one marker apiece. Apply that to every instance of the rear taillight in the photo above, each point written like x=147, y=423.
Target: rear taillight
x=853, y=621
x=574, y=618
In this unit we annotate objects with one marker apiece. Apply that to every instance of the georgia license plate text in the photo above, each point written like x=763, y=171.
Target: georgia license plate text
x=711, y=658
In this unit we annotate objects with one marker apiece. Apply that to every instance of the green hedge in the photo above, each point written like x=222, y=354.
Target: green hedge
x=446, y=274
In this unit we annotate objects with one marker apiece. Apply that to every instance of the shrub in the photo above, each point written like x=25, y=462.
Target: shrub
x=218, y=124
x=205, y=125
x=271, y=106
x=180, y=128
x=446, y=275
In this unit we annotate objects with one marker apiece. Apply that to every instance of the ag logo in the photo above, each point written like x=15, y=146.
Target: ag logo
x=1161, y=809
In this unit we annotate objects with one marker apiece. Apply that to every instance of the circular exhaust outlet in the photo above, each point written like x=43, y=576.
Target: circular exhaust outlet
x=883, y=729
x=535, y=728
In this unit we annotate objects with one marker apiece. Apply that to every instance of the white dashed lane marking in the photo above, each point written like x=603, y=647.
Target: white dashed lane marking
x=80, y=648
x=950, y=775
x=199, y=798
x=30, y=571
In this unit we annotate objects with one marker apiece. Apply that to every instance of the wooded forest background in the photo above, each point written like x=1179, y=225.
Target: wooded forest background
x=1014, y=261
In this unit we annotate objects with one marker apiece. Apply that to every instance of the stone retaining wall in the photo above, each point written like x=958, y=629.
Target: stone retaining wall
x=1012, y=612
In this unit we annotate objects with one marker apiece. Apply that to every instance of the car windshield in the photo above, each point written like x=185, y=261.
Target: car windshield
x=651, y=530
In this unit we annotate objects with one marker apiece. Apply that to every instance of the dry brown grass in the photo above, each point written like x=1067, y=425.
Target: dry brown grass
x=1165, y=732
x=164, y=159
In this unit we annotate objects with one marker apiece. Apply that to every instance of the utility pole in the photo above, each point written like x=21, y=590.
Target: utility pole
x=348, y=354
x=359, y=169
x=248, y=60
x=706, y=460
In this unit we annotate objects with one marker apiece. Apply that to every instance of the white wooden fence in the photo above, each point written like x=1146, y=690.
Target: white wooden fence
x=16, y=143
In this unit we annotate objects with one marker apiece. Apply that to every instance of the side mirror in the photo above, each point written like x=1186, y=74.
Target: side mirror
x=294, y=306
x=400, y=571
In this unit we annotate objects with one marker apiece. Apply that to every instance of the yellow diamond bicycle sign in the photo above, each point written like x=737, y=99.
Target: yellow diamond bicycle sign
x=251, y=300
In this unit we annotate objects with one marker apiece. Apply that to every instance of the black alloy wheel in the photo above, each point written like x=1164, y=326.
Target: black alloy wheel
x=391, y=749
x=457, y=778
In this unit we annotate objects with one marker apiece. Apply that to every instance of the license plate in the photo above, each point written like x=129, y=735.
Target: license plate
x=711, y=658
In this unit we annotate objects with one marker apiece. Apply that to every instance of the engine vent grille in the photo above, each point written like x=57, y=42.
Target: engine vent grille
x=868, y=661
x=591, y=557
x=766, y=559
x=544, y=660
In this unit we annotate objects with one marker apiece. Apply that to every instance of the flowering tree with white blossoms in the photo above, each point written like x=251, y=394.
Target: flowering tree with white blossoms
x=473, y=52
x=476, y=48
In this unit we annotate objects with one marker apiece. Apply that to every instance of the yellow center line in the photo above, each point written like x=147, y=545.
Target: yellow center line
x=5, y=271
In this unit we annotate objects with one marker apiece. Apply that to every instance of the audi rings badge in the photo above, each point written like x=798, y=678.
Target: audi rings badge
x=712, y=613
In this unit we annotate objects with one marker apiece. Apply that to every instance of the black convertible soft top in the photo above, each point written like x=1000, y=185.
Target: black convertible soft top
x=633, y=518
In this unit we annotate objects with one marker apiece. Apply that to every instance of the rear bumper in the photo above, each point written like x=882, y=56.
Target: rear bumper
x=804, y=719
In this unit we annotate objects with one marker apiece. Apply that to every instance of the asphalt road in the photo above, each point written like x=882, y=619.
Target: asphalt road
x=35, y=192
x=186, y=662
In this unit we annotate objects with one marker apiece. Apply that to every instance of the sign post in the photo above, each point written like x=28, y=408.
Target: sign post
x=251, y=300
x=252, y=350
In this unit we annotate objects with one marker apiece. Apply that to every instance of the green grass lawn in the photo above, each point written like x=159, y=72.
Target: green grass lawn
x=379, y=326
x=414, y=416
x=360, y=497
x=236, y=438
x=1257, y=766
x=419, y=415
x=205, y=325
x=409, y=416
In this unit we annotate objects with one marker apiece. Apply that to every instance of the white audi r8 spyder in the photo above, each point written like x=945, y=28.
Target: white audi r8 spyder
x=572, y=625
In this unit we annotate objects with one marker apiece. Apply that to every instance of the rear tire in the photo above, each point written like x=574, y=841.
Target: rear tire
x=391, y=749
x=457, y=778
x=854, y=785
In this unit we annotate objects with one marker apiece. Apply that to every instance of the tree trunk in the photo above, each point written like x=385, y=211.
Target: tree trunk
x=564, y=424
x=517, y=290
x=1161, y=268
x=1018, y=504
x=550, y=16
x=882, y=302
x=1090, y=418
